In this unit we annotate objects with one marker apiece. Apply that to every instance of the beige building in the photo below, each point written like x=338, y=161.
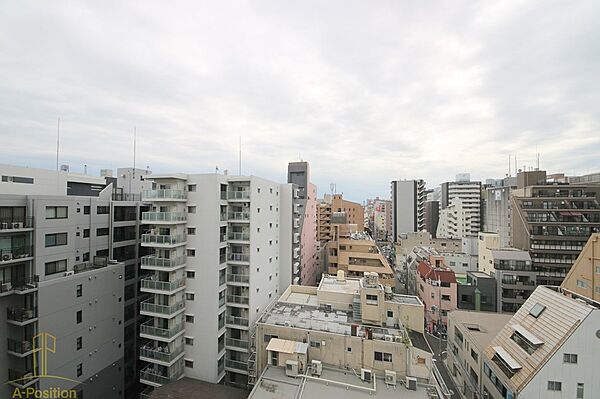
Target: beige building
x=584, y=276
x=469, y=333
x=324, y=231
x=407, y=242
x=353, y=213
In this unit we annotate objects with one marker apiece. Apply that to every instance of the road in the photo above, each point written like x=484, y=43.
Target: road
x=434, y=343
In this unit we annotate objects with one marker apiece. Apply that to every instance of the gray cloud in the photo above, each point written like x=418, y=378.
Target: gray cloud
x=366, y=91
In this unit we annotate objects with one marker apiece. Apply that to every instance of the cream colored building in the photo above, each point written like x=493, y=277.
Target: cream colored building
x=354, y=215
x=584, y=276
x=347, y=323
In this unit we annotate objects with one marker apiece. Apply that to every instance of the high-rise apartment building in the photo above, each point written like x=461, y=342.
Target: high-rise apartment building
x=553, y=222
x=431, y=217
x=464, y=217
x=353, y=212
x=496, y=208
x=306, y=271
x=408, y=206
x=218, y=245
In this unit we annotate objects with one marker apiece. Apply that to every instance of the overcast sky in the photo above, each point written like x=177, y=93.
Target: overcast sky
x=367, y=91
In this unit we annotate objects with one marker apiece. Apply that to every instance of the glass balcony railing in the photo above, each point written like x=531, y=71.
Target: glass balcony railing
x=148, y=329
x=151, y=284
x=244, y=194
x=239, y=257
x=153, y=261
x=160, y=353
x=238, y=321
x=240, y=236
x=20, y=347
x=157, y=375
x=16, y=223
x=236, y=364
x=21, y=315
x=238, y=278
x=163, y=239
x=21, y=378
x=163, y=217
x=15, y=253
x=238, y=215
x=149, y=306
x=146, y=393
x=19, y=285
x=241, y=299
x=168, y=194
x=237, y=343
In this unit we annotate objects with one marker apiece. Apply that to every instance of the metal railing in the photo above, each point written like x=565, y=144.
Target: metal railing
x=20, y=347
x=151, y=284
x=236, y=364
x=240, y=236
x=164, y=194
x=163, y=239
x=152, y=373
x=238, y=343
x=238, y=215
x=238, y=321
x=24, y=284
x=146, y=393
x=14, y=253
x=16, y=223
x=149, y=306
x=21, y=378
x=151, y=260
x=163, y=217
x=242, y=299
x=148, y=329
x=160, y=353
x=242, y=194
x=238, y=278
x=239, y=257
x=21, y=314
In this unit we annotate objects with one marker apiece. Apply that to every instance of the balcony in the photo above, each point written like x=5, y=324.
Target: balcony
x=146, y=393
x=19, y=286
x=164, y=241
x=156, y=376
x=239, y=236
x=21, y=379
x=148, y=330
x=19, y=348
x=238, y=278
x=164, y=195
x=237, y=321
x=10, y=225
x=149, y=308
x=238, y=195
x=16, y=254
x=160, y=354
x=163, y=217
x=236, y=343
x=239, y=257
x=150, y=284
x=152, y=262
x=21, y=316
x=238, y=299
x=239, y=216
x=237, y=366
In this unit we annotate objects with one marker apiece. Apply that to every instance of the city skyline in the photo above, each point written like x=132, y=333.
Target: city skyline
x=415, y=92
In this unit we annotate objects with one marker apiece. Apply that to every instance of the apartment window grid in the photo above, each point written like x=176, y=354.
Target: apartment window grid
x=55, y=239
x=57, y=212
x=555, y=386
x=570, y=358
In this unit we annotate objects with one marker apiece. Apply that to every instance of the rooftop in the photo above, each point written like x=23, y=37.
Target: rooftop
x=511, y=254
x=332, y=284
x=187, y=388
x=480, y=327
x=333, y=384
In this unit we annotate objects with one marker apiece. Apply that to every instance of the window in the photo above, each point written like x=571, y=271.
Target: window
x=79, y=290
x=189, y=318
x=582, y=284
x=56, y=212
x=79, y=343
x=315, y=344
x=86, y=233
x=189, y=363
x=102, y=210
x=383, y=357
x=474, y=355
x=554, y=386
x=445, y=297
x=101, y=231
x=189, y=341
x=86, y=210
x=86, y=256
x=523, y=342
x=537, y=310
x=190, y=274
x=79, y=316
x=191, y=209
x=570, y=358
x=56, y=239
x=191, y=231
x=349, y=349
x=371, y=299
x=190, y=252
x=390, y=313
x=189, y=296
x=56, y=267
x=580, y=390
x=191, y=187
x=79, y=370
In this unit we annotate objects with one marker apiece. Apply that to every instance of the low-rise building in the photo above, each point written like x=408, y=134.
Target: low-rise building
x=478, y=292
x=436, y=286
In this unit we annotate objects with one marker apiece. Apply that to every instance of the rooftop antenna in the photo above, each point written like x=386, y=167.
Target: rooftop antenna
x=132, y=174
x=57, y=142
x=516, y=170
x=332, y=188
x=509, y=175
x=537, y=166
x=240, y=156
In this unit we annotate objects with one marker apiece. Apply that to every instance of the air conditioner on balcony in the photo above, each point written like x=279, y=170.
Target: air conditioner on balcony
x=389, y=338
x=17, y=225
x=69, y=273
x=7, y=256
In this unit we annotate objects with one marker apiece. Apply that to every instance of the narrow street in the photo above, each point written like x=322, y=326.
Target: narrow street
x=434, y=343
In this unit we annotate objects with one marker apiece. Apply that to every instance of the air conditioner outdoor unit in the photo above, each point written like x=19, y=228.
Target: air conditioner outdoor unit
x=17, y=225
x=390, y=377
x=291, y=368
x=69, y=273
x=389, y=338
x=366, y=375
x=317, y=367
x=7, y=256
x=397, y=338
x=411, y=383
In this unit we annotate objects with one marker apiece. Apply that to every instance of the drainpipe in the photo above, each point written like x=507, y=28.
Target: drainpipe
x=477, y=299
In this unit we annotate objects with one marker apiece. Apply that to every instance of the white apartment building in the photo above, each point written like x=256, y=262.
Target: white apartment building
x=218, y=244
x=464, y=195
x=408, y=206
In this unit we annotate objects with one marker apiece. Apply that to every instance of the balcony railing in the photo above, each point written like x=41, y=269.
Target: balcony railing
x=163, y=217
x=238, y=343
x=167, y=194
x=239, y=257
x=161, y=353
x=21, y=315
x=238, y=321
x=16, y=223
x=149, y=306
x=156, y=375
x=16, y=253
x=148, y=329
x=240, y=236
x=20, y=347
x=151, y=260
x=239, y=215
x=241, y=299
x=21, y=378
x=236, y=364
x=238, y=278
x=151, y=284
x=517, y=282
x=244, y=194
x=146, y=393
x=163, y=239
x=18, y=285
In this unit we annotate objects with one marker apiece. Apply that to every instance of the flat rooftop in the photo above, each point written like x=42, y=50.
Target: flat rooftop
x=340, y=384
x=186, y=388
x=331, y=284
x=480, y=327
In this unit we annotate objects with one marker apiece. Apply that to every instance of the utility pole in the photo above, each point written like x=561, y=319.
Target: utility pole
x=440, y=315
